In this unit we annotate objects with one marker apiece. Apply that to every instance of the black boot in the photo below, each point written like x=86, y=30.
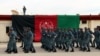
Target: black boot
x=59, y=47
x=97, y=47
x=26, y=51
x=88, y=50
x=15, y=51
x=54, y=50
x=33, y=50
x=66, y=50
x=83, y=49
x=9, y=51
x=72, y=50
x=49, y=50
x=63, y=47
x=77, y=46
x=56, y=46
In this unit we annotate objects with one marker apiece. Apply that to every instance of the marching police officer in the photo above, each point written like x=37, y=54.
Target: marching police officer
x=28, y=41
x=97, y=38
x=86, y=40
x=11, y=47
x=75, y=32
x=91, y=36
x=51, y=38
x=80, y=37
x=69, y=39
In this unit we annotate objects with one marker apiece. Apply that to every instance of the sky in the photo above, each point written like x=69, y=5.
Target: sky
x=51, y=7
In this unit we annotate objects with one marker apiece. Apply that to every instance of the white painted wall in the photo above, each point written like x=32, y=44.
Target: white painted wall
x=3, y=36
x=94, y=24
x=83, y=25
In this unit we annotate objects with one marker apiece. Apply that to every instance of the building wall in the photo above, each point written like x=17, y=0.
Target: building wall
x=3, y=36
x=83, y=25
x=94, y=24
x=3, y=24
x=90, y=24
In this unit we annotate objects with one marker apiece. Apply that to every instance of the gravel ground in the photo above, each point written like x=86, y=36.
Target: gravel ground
x=42, y=52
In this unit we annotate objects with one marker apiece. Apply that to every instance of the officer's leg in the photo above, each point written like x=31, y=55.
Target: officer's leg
x=93, y=44
x=32, y=49
x=53, y=47
x=15, y=48
x=63, y=46
x=72, y=48
x=80, y=43
x=60, y=45
x=97, y=44
x=67, y=47
x=10, y=47
x=77, y=44
x=88, y=47
x=84, y=46
x=57, y=44
x=26, y=48
x=7, y=47
x=73, y=43
x=22, y=40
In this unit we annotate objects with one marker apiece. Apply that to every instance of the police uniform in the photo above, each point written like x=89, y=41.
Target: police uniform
x=69, y=39
x=11, y=47
x=29, y=42
x=97, y=38
x=86, y=40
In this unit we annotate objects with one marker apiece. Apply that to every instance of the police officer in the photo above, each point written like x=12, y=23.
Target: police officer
x=23, y=35
x=51, y=38
x=91, y=42
x=43, y=37
x=58, y=32
x=59, y=35
x=69, y=39
x=80, y=37
x=11, y=47
x=75, y=32
x=29, y=41
x=86, y=40
x=97, y=38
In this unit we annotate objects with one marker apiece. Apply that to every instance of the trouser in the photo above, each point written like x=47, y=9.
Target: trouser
x=69, y=45
x=91, y=42
x=11, y=46
x=75, y=41
x=85, y=46
x=94, y=42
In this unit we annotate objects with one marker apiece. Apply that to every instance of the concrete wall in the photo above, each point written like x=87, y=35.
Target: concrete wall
x=3, y=35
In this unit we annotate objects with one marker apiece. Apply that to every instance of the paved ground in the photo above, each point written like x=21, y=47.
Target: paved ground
x=42, y=52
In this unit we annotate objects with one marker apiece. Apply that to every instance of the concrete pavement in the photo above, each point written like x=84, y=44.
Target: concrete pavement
x=42, y=52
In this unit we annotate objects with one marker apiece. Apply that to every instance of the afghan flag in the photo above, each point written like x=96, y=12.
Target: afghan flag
x=36, y=22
